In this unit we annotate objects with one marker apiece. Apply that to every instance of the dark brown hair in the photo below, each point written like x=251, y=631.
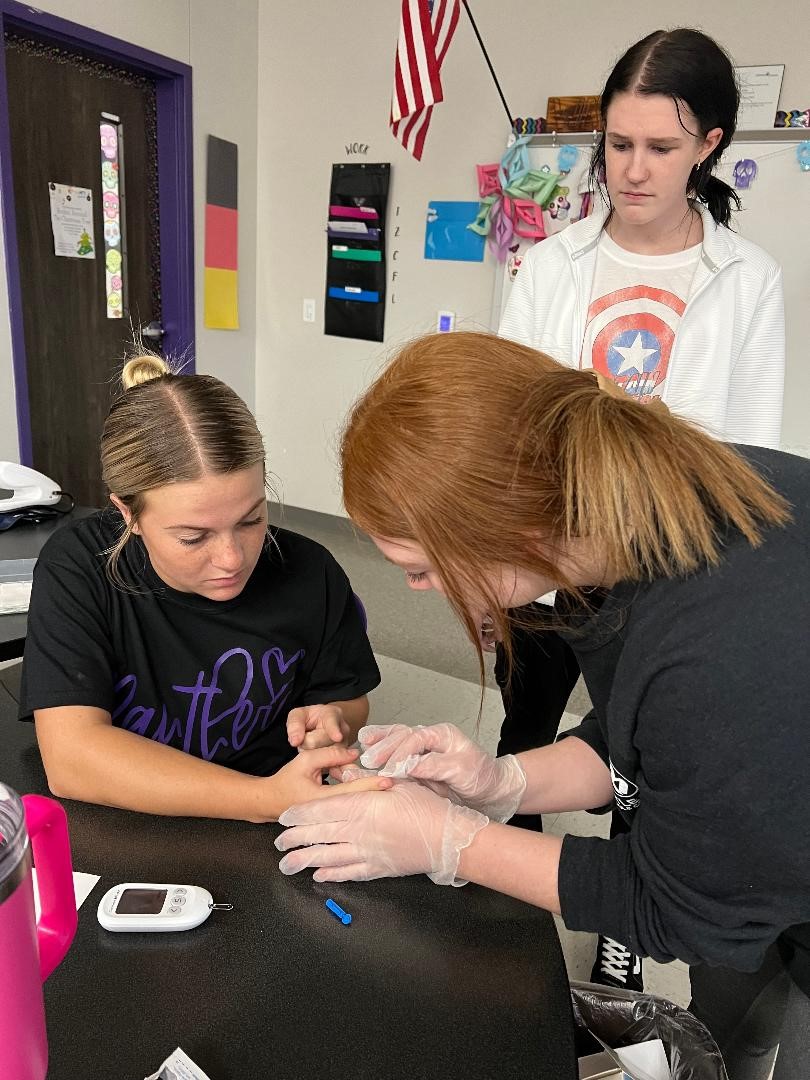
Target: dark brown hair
x=692, y=69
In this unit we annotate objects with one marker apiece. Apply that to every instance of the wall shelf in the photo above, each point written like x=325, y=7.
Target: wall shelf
x=587, y=138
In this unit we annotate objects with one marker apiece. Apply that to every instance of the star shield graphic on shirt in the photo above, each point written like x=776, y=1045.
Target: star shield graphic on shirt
x=634, y=356
x=630, y=333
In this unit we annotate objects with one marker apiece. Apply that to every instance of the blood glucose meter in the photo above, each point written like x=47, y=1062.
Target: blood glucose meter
x=139, y=906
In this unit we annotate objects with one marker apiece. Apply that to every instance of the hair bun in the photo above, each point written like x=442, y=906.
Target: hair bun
x=142, y=369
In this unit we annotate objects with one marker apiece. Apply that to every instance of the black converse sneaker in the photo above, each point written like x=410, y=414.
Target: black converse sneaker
x=616, y=966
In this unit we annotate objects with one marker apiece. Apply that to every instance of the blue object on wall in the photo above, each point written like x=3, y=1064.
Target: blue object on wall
x=447, y=235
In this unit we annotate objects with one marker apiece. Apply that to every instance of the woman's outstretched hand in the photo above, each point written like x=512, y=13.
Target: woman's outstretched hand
x=312, y=726
x=301, y=780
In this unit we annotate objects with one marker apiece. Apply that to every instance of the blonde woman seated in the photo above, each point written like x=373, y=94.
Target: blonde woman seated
x=174, y=639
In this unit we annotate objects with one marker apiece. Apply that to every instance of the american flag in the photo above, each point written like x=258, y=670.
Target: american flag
x=426, y=29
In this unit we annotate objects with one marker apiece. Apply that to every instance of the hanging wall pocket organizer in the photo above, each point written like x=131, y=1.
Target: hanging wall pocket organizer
x=355, y=249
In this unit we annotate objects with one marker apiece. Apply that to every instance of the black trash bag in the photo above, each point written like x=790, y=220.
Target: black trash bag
x=608, y=1018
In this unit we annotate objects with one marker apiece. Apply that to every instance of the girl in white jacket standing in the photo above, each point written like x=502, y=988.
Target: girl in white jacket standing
x=655, y=292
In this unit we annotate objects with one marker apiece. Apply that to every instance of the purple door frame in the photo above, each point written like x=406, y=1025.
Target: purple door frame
x=175, y=165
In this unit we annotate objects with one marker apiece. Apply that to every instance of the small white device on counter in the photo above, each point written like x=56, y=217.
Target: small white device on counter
x=25, y=487
x=141, y=906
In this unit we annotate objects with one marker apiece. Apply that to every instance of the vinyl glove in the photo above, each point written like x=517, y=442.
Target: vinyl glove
x=443, y=755
x=410, y=830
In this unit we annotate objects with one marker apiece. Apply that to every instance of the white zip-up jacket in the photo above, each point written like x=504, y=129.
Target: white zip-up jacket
x=727, y=368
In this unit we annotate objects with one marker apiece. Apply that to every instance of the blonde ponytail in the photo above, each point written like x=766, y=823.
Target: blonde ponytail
x=651, y=490
x=143, y=368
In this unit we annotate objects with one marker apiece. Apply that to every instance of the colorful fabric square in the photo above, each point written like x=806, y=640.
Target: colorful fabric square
x=447, y=233
x=221, y=300
x=221, y=297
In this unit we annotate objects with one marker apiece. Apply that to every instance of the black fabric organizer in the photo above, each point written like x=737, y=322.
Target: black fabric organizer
x=355, y=247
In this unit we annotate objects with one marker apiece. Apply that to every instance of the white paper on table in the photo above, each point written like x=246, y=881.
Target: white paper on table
x=178, y=1066
x=82, y=887
x=645, y=1061
x=15, y=597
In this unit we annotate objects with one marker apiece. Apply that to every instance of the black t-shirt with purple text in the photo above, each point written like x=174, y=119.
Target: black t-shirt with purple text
x=215, y=679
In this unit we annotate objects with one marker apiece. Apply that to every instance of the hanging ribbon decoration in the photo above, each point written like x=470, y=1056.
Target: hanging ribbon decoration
x=746, y=170
x=745, y=173
x=513, y=197
x=567, y=158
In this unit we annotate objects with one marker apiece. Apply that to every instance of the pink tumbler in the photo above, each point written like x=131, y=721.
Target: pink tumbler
x=30, y=950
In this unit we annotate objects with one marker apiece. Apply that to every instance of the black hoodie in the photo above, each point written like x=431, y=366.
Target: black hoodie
x=701, y=694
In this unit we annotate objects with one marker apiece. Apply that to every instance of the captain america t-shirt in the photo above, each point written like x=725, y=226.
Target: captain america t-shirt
x=636, y=305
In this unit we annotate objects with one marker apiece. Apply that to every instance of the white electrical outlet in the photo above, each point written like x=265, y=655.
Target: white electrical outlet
x=309, y=311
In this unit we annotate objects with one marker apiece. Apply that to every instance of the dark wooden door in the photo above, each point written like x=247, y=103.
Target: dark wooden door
x=58, y=101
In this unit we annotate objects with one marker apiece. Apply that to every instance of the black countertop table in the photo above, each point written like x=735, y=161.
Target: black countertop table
x=427, y=981
x=23, y=541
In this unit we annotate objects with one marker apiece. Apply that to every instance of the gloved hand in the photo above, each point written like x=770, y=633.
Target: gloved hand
x=407, y=830
x=442, y=754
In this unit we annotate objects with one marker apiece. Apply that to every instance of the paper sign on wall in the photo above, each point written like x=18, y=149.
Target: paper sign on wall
x=759, y=95
x=72, y=221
